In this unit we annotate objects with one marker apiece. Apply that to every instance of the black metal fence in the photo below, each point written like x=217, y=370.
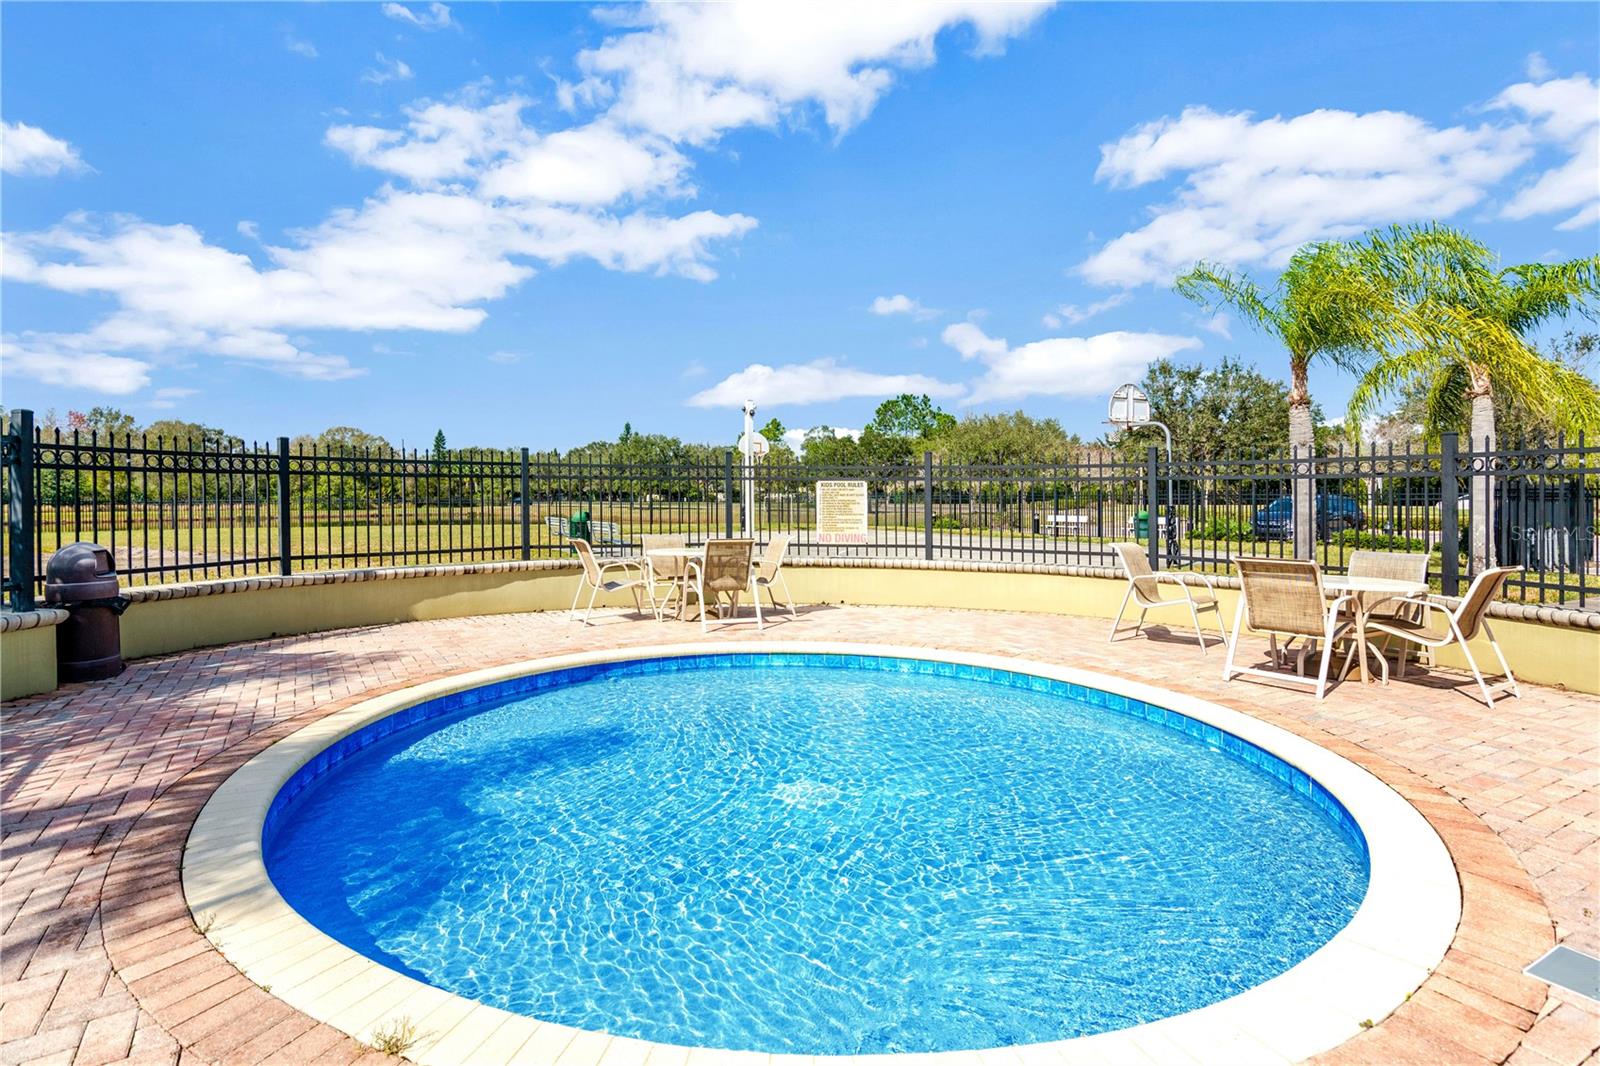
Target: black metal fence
x=180, y=511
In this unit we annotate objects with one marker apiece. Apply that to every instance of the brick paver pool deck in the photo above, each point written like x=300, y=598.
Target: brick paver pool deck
x=100, y=962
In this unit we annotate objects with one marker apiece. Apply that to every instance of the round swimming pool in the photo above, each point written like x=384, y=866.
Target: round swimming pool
x=818, y=854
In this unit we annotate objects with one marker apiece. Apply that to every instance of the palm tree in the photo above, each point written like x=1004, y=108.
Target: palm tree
x=1469, y=342
x=1324, y=307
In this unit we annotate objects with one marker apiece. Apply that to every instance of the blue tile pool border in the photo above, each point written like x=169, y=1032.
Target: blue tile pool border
x=501, y=692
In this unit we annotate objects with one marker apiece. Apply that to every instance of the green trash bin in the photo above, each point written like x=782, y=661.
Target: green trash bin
x=578, y=526
x=1141, y=526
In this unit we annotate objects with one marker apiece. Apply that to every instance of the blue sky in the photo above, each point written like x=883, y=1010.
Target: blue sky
x=529, y=223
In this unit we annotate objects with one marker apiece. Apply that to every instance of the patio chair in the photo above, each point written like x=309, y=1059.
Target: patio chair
x=1144, y=588
x=1398, y=566
x=725, y=571
x=1284, y=598
x=769, y=571
x=668, y=568
x=1461, y=625
x=594, y=578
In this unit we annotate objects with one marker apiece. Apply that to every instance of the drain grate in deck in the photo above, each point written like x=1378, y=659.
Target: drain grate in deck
x=1569, y=969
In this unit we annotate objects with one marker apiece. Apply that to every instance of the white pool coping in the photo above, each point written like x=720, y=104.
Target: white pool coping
x=1371, y=966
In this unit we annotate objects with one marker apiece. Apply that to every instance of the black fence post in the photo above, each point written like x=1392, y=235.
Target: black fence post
x=927, y=505
x=1449, y=524
x=727, y=491
x=19, y=475
x=1152, y=480
x=285, y=560
x=527, y=513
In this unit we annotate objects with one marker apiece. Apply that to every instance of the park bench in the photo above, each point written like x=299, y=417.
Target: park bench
x=1060, y=525
x=604, y=537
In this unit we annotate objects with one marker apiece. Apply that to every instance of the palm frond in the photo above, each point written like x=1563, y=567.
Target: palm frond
x=1536, y=292
x=1446, y=408
x=1389, y=376
x=1214, y=286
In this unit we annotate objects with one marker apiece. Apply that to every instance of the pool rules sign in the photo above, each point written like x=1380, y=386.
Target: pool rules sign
x=841, y=512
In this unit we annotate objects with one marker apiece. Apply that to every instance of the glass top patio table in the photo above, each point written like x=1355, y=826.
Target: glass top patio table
x=1365, y=594
x=681, y=579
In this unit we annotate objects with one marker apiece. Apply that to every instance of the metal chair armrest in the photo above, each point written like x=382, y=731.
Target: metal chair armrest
x=1183, y=577
x=622, y=564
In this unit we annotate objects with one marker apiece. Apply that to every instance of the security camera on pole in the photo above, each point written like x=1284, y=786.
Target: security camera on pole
x=1130, y=408
x=753, y=447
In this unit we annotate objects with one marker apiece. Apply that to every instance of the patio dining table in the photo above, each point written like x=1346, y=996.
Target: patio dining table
x=1366, y=593
x=682, y=577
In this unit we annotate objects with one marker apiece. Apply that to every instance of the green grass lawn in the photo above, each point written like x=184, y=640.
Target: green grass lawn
x=212, y=549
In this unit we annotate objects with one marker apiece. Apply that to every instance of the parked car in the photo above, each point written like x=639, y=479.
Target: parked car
x=1335, y=514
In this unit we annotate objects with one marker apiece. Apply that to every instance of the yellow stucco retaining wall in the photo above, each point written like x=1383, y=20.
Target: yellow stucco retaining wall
x=27, y=662
x=1538, y=653
x=1547, y=655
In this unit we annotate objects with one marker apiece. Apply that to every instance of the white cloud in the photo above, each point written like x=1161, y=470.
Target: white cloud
x=477, y=200
x=440, y=141
x=1059, y=366
x=1538, y=68
x=435, y=17
x=166, y=399
x=1253, y=190
x=593, y=164
x=408, y=258
x=114, y=375
x=1564, y=113
x=972, y=342
x=1220, y=324
x=299, y=47
x=691, y=71
x=29, y=150
x=506, y=358
x=816, y=382
x=901, y=304
x=387, y=70
x=1072, y=314
x=796, y=438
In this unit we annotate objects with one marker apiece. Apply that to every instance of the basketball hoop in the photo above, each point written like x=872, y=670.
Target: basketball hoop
x=1129, y=407
x=755, y=445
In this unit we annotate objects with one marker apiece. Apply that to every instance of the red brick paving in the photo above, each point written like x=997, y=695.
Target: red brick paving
x=100, y=963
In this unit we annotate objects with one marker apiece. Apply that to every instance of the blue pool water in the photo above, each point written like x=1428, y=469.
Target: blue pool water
x=774, y=853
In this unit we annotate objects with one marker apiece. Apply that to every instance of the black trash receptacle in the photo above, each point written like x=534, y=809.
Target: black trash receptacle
x=82, y=578
x=1544, y=525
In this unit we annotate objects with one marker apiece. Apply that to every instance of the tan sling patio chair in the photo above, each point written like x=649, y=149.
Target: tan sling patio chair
x=667, y=568
x=595, y=580
x=1284, y=598
x=1461, y=625
x=1395, y=566
x=1144, y=588
x=769, y=571
x=725, y=571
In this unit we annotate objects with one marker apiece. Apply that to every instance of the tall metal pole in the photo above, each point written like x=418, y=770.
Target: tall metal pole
x=1174, y=555
x=747, y=479
x=527, y=521
x=285, y=555
x=20, y=502
x=1449, y=519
